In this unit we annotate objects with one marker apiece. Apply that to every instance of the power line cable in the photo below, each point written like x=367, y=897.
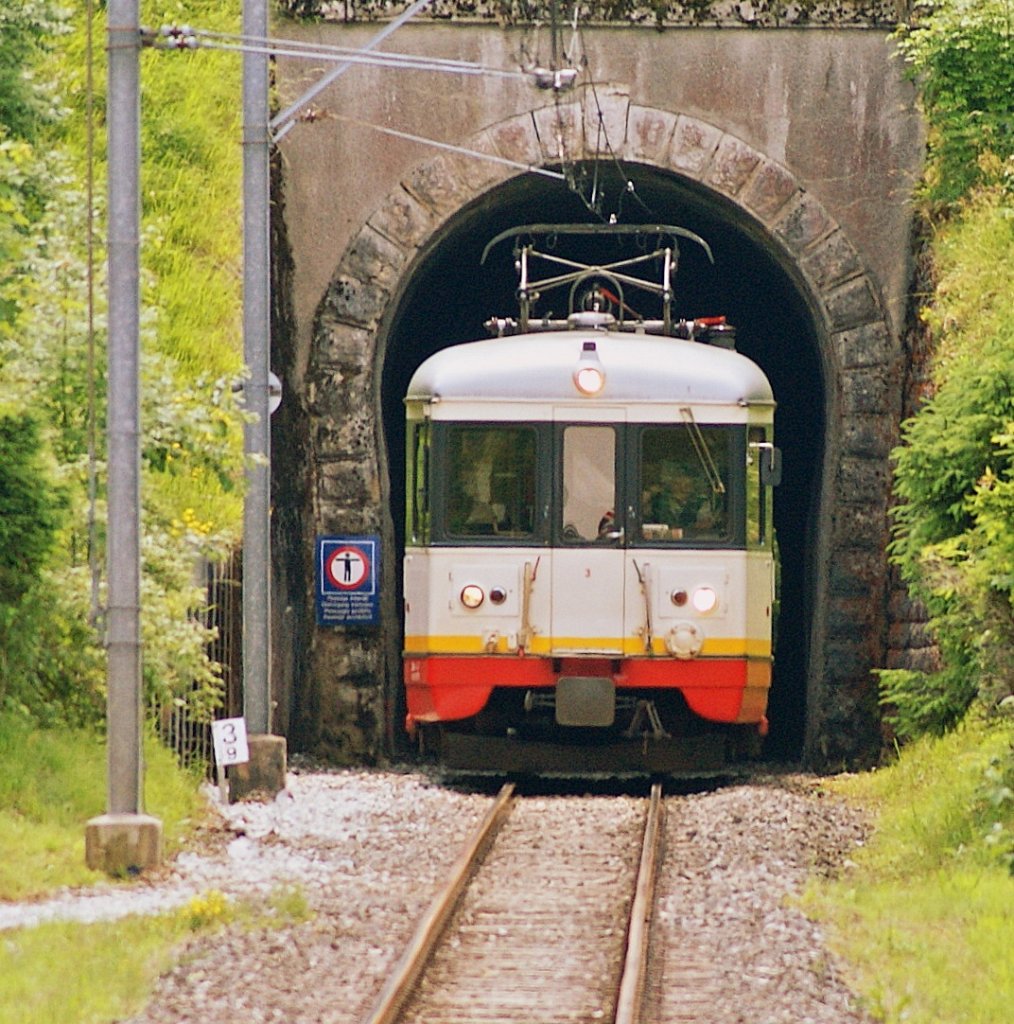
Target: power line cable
x=449, y=147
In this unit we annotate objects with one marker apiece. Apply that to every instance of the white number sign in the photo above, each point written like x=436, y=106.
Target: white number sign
x=229, y=735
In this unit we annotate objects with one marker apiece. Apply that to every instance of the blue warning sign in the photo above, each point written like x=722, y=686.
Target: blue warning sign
x=348, y=577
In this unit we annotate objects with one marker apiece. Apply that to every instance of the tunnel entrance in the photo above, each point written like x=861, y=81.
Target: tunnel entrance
x=449, y=295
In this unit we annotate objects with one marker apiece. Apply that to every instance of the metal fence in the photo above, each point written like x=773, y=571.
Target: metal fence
x=190, y=739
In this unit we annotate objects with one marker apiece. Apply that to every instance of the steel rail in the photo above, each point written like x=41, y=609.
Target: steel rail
x=631, y=990
x=400, y=984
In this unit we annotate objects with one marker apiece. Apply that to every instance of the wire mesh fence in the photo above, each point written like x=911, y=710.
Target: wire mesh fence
x=189, y=735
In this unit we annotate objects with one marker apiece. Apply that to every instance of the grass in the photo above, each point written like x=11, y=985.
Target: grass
x=973, y=300
x=62, y=972
x=68, y=972
x=926, y=918
x=51, y=783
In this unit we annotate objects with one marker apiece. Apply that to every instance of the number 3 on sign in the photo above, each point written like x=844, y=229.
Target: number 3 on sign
x=229, y=735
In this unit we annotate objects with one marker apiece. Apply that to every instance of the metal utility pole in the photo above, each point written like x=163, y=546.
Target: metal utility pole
x=256, y=350
x=124, y=838
x=266, y=769
x=124, y=430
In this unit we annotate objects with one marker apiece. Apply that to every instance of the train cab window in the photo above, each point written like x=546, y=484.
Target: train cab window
x=490, y=481
x=418, y=483
x=684, y=483
x=589, y=484
x=758, y=496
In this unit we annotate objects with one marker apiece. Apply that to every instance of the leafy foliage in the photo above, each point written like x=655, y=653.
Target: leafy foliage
x=52, y=353
x=48, y=660
x=962, y=53
x=954, y=477
x=25, y=104
x=954, y=474
x=996, y=797
x=26, y=27
x=29, y=507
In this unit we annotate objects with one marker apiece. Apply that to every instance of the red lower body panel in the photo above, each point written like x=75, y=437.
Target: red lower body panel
x=443, y=688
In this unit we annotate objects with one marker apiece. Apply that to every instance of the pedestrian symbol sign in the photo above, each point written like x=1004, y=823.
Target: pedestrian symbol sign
x=347, y=567
x=347, y=581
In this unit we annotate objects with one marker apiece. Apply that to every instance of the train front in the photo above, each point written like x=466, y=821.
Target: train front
x=589, y=574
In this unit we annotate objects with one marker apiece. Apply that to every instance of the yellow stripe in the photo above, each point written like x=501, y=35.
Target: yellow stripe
x=713, y=647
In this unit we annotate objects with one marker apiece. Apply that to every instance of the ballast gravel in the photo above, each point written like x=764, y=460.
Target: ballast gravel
x=368, y=850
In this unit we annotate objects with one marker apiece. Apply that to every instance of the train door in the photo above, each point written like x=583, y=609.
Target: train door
x=588, y=558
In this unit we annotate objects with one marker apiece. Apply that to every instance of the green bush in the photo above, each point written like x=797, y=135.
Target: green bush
x=954, y=477
x=954, y=473
x=50, y=659
x=26, y=28
x=962, y=54
x=53, y=353
x=31, y=507
x=923, y=703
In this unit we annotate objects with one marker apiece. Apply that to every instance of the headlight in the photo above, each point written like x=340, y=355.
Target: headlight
x=472, y=596
x=705, y=600
x=589, y=374
x=589, y=380
x=498, y=595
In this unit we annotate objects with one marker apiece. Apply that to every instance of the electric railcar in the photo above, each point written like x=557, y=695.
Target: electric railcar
x=589, y=574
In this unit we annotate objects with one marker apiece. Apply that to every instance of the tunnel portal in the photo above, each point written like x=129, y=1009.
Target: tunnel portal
x=811, y=288
x=450, y=295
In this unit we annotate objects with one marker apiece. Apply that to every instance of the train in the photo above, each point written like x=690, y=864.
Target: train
x=590, y=564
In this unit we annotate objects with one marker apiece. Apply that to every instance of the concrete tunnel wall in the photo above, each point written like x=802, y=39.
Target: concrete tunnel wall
x=793, y=156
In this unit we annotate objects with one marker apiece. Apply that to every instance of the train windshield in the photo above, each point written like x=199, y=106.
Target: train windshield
x=684, y=477
x=589, y=483
x=491, y=474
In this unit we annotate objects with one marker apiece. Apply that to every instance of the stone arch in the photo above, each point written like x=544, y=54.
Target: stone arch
x=859, y=357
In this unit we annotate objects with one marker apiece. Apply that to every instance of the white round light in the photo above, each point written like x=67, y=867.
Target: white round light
x=472, y=596
x=705, y=599
x=589, y=379
x=684, y=640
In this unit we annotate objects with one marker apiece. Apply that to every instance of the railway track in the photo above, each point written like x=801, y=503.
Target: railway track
x=534, y=925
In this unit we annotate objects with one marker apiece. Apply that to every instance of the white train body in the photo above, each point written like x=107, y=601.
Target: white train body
x=589, y=550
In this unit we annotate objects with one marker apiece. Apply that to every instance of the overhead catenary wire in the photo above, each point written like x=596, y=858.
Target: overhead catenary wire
x=291, y=48
x=385, y=60
x=282, y=123
x=450, y=147
x=185, y=37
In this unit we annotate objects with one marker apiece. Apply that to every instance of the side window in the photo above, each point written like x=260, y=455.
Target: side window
x=491, y=473
x=589, y=484
x=419, y=482
x=757, y=495
x=684, y=478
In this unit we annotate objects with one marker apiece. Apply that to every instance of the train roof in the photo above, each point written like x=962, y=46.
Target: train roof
x=638, y=368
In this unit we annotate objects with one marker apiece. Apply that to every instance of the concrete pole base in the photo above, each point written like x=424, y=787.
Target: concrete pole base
x=123, y=844
x=263, y=775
